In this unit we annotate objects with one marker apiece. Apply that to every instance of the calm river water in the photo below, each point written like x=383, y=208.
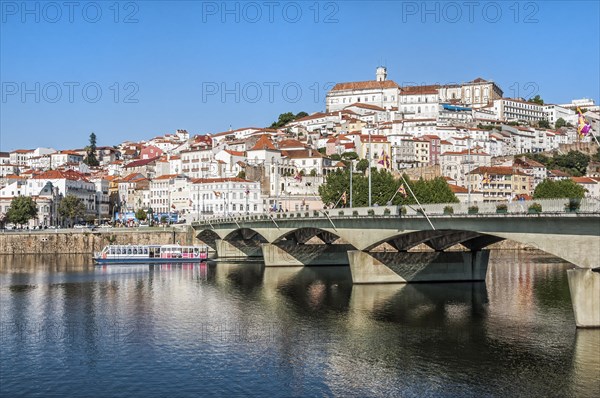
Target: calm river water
x=68, y=328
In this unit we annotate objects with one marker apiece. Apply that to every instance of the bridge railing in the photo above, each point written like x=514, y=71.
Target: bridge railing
x=521, y=208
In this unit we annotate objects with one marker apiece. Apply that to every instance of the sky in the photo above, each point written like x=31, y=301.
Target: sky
x=134, y=70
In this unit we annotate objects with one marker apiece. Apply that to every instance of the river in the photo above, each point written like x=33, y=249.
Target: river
x=68, y=328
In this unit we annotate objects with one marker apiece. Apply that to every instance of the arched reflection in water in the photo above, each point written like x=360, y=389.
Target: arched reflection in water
x=242, y=329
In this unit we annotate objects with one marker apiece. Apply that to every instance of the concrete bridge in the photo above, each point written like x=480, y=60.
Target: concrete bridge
x=376, y=243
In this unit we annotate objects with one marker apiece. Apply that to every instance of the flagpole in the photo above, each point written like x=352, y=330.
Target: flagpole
x=417, y=200
x=351, y=172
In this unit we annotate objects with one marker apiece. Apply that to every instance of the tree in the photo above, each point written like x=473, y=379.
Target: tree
x=350, y=155
x=91, y=159
x=383, y=187
x=549, y=189
x=537, y=100
x=560, y=123
x=71, y=208
x=362, y=165
x=335, y=156
x=242, y=175
x=573, y=163
x=285, y=118
x=140, y=215
x=21, y=210
x=313, y=172
x=544, y=124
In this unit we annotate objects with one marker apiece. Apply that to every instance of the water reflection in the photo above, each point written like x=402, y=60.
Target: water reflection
x=243, y=329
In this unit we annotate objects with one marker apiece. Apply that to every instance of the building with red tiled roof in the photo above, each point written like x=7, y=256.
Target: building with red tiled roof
x=500, y=183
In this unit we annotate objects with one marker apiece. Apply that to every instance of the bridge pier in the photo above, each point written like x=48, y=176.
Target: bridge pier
x=584, y=285
x=241, y=250
x=291, y=254
x=406, y=267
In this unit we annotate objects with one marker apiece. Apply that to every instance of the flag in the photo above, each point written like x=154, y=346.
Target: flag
x=583, y=127
x=298, y=177
x=402, y=191
x=344, y=197
x=382, y=158
x=217, y=194
x=486, y=179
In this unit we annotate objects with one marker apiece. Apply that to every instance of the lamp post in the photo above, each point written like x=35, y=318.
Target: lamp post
x=469, y=169
x=351, y=172
x=369, y=165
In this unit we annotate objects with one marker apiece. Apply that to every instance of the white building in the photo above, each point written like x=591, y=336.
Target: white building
x=511, y=109
x=457, y=164
x=379, y=92
x=224, y=196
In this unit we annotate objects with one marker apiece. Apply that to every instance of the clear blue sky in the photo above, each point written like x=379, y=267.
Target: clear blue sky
x=172, y=60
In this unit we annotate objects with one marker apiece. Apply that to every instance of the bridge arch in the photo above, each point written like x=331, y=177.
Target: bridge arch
x=305, y=234
x=438, y=240
x=245, y=234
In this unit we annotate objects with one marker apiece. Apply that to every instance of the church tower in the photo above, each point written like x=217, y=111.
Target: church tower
x=381, y=74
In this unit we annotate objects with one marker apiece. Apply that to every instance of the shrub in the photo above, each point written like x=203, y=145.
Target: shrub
x=448, y=210
x=355, y=213
x=403, y=210
x=473, y=209
x=371, y=212
x=315, y=213
x=501, y=206
x=535, y=208
x=574, y=204
x=387, y=211
x=306, y=214
x=341, y=212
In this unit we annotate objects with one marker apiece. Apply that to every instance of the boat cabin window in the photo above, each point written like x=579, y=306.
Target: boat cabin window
x=118, y=250
x=145, y=250
x=135, y=250
x=129, y=250
x=196, y=250
x=112, y=250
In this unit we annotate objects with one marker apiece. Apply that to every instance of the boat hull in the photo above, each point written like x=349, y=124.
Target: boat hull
x=104, y=261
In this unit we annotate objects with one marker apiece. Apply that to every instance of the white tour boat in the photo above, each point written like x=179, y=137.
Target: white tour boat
x=135, y=254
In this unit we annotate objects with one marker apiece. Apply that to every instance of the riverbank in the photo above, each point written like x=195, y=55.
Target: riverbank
x=86, y=242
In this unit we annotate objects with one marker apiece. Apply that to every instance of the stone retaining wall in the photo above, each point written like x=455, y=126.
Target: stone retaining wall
x=73, y=242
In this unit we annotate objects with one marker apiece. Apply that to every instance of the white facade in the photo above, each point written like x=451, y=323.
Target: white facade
x=224, y=196
x=509, y=109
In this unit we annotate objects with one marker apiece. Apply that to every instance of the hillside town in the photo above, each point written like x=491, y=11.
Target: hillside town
x=468, y=133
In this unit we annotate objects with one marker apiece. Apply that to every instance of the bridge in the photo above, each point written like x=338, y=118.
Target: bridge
x=378, y=243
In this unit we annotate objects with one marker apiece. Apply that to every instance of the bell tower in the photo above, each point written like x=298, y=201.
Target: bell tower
x=381, y=74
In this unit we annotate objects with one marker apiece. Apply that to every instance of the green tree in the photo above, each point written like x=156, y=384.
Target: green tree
x=313, y=172
x=573, y=163
x=350, y=155
x=567, y=188
x=362, y=165
x=560, y=123
x=140, y=214
x=242, y=175
x=287, y=117
x=71, y=208
x=537, y=99
x=21, y=210
x=91, y=159
x=383, y=187
x=335, y=156
x=544, y=124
